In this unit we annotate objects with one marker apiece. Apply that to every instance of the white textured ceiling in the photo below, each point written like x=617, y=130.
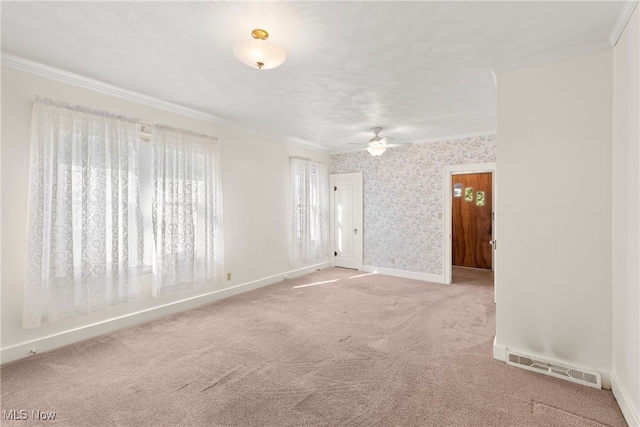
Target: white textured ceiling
x=421, y=69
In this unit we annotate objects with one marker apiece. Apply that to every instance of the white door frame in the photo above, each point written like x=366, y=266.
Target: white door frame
x=332, y=179
x=449, y=171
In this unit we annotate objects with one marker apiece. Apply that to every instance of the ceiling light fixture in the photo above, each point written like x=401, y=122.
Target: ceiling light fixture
x=376, y=150
x=258, y=52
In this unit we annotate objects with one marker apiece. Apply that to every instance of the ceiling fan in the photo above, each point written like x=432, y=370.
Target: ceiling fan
x=379, y=144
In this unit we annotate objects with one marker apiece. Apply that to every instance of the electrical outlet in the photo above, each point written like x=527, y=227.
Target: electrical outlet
x=439, y=215
x=228, y=276
x=393, y=260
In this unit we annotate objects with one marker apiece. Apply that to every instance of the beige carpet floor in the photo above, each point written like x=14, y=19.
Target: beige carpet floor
x=333, y=348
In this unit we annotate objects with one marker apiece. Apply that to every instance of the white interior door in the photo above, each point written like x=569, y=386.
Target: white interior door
x=346, y=219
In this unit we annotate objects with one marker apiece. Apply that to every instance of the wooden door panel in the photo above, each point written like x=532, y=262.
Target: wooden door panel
x=471, y=220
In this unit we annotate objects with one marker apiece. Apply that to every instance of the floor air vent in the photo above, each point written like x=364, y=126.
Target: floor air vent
x=580, y=376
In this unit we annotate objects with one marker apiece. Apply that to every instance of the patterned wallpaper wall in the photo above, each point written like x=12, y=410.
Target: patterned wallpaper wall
x=403, y=193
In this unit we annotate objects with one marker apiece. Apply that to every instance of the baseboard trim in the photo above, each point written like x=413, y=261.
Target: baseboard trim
x=606, y=379
x=61, y=339
x=624, y=402
x=499, y=352
x=404, y=274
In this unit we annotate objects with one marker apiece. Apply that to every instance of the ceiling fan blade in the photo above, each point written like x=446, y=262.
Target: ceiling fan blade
x=381, y=141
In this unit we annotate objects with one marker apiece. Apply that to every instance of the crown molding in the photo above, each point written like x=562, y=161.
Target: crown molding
x=581, y=50
x=460, y=136
x=98, y=86
x=298, y=142
x=623, y=19
x=616, y=32
x=129, y=95
x=348, y=150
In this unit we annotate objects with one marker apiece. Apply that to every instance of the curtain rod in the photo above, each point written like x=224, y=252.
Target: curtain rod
x=83, y=109
x=306, y=158
x=145, y=128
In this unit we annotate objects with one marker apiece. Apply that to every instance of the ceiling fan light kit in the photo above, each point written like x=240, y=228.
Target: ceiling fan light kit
x=258, y=52
x=379, y=144
x=376, y=150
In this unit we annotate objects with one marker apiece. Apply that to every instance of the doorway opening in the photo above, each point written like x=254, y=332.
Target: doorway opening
x=469, y=213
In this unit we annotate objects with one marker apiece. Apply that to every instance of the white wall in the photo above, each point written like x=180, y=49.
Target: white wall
x=255, y=179
x=626, y=222
x=554, y=215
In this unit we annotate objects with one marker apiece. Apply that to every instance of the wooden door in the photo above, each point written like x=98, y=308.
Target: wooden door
x=471, y=220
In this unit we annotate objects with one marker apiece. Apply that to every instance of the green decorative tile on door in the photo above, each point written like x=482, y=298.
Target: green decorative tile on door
x=468, y=194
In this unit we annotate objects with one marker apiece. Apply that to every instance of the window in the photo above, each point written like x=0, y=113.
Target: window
x=187, y=210
x=309, y=211
x=89, y=235
x=85, y=240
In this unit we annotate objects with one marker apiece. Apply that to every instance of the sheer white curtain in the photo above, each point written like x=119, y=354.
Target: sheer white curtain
x=309, y=238
x=187, y=210
x=85, y=226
